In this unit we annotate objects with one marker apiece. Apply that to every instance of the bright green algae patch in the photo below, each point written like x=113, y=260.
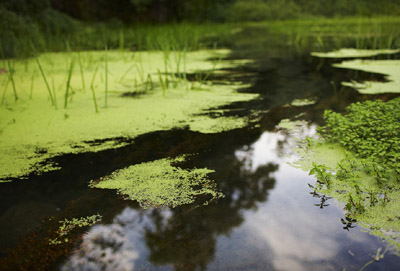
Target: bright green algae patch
x=367, y=179
x=390, y=68
x=32, y=130
x=158, y=183
x=354, y=53
x=303, y=102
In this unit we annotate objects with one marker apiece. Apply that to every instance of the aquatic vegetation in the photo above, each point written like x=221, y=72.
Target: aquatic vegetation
x=370, y=129
x=378, y=256
x=92, y=89
x=29, y=125
x=303, y=102
x=140, y=37
x=44, y=79
x=354, y=53
x=66, y=97
x=11, y=72
x=386, y=67
x=159, y=183
x=106, y=76
x=287, y=124
x=365, y=172
x=69, y=225
x=323, y=34
x=81, y=70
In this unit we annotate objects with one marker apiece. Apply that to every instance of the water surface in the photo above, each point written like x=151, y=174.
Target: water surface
x=269, y=219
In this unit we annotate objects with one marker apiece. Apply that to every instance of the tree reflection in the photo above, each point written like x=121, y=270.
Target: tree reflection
x=187, y=238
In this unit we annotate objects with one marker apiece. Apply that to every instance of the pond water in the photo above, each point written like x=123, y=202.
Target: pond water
x=269, y=219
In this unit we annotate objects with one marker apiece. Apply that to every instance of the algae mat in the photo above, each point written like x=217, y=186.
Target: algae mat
x=354, y=53
x=159, y=184
x=33, y=130
x=389, y=68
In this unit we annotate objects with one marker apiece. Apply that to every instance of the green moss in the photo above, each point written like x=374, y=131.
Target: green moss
x=390, y=68
x=32, y=130
x=158, y=183
x=353, y=53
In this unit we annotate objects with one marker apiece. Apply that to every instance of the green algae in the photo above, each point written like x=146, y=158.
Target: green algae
x=159, y=184
x=32, y=131
x=291, y=125
x=287, y=124
x=303, y=102
x=390, y=68
x=324, y=153
x=354, y=53
x=69, y=225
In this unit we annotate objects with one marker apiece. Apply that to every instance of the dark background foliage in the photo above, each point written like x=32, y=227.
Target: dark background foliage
x=129, y=11
x=23, y=21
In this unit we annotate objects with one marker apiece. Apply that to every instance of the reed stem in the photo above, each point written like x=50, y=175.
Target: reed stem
x=81, y=70
x=71, y=67
x=54, y=93
x=11, y=72
x=106, y=78
x=45, y=80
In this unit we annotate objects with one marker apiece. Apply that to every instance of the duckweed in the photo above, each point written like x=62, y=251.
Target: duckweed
x=390, y=68
x=159, y=184
x=68, y=225
x=32, y=131
x=354, y=53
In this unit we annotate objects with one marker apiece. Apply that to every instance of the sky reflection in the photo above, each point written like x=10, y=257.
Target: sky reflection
x=268, y=221
x=288, y=232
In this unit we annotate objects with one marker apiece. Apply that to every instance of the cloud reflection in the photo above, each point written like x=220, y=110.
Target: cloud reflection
x=105, y=247
x=295, y=234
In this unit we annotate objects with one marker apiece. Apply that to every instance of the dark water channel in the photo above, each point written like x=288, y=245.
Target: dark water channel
x=268, y=220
